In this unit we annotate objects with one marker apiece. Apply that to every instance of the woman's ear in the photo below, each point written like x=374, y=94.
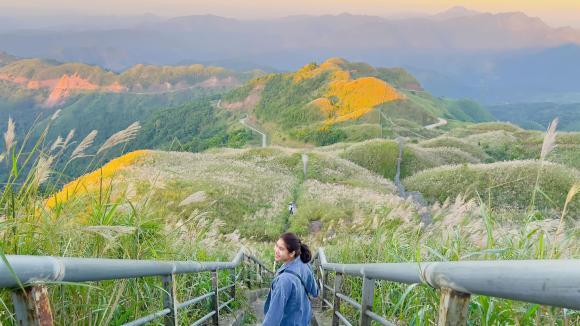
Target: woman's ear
x=292, y=254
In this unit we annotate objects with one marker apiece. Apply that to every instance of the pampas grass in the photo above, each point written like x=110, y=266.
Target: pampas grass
x=87, y=142
x=55, y=115
x=549, y=140
x=42, y=171
x=57, y=143
x=548, y=145
x=120, y=137
x=193, y=198
x=10, y=135
x=68, y=138
x=573, y=192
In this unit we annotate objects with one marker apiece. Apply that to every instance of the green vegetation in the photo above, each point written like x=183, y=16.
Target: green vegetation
x=286, y=108
x=490, y=194
x=108, y=217
x=191, y=127
x=284, y=102
x=505, y=184
x=447, y=141
x=380, y=156
x=142, y=75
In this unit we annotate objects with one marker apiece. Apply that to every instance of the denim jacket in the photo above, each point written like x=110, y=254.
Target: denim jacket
x=287, y=303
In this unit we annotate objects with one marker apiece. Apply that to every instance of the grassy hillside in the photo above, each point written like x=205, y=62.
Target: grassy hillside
x=502, y=184
x=488, y=195
x=171, y=205
x=381, y=156
x=192, y=127
x=166, y=122
x=338, y=101
x=243, y=191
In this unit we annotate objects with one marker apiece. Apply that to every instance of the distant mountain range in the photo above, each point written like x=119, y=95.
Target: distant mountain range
x=51, y=83
x=459, y=52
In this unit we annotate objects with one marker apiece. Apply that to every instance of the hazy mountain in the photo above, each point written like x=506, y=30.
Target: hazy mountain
x=72, y=22
x=521, y=76
x=455, y=12
x=539, y=115
x=207, y=37
x=465, y=47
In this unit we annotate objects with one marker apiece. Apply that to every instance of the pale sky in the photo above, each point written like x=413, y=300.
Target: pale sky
x=554, y=12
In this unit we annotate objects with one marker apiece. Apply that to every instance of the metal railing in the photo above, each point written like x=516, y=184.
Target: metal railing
x=546, y=282
x=27, y=276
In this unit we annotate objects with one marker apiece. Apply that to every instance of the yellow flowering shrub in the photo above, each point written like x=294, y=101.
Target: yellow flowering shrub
x=313, y=70
x=346, y=98
x=91, y=181
x=355, y=98
x=324, y=105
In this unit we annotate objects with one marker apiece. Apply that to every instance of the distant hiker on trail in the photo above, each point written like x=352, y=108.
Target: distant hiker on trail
x=288, y=303
x=292, y=208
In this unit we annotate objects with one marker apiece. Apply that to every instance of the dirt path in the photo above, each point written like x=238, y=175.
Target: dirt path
x=440, y=123
x=264, y=139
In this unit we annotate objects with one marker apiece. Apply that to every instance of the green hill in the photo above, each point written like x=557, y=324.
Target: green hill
x=243, y=191
x=502, y=184
x=380, y=156
x=325, y=103
x=51, y=83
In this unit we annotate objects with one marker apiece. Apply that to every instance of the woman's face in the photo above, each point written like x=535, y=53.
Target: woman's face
x=281, y=253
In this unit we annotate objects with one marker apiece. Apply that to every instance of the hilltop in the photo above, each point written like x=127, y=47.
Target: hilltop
x=338, y=100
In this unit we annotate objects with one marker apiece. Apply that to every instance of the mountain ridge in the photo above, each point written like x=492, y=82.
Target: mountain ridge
x=58, y=81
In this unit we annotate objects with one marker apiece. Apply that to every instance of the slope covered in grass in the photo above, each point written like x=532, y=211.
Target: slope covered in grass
x=242, y=191
x=380, y=156
x=321, y=103
x=453, y=142
x=502, y=184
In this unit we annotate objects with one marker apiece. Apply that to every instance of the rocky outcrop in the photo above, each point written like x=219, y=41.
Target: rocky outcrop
x=249, y=102
x=55, y=84
x=66, y=86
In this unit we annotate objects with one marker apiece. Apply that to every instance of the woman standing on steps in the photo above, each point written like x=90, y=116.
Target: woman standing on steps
x=288, y=303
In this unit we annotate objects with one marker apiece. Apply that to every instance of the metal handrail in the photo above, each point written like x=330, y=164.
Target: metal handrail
x=33, y=271
x=547, y=282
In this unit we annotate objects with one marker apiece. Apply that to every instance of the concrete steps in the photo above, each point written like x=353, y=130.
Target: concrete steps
x=256, y=300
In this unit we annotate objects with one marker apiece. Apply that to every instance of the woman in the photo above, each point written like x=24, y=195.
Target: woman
x=288, y=303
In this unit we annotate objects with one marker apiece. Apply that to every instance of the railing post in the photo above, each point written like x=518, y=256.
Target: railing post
x=169, y=299
x=336, y=302
x=32, y=306
x=368, y=296
x=260, y=279
x=324, y=291
x=453, y=308
x=215, y=301
x=247, y=274
x=233, y=280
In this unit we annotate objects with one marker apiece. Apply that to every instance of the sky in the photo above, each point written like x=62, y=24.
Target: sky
x=555, y=12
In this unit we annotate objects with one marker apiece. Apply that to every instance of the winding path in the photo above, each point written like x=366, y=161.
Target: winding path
x=264, y=139
x=441, y=122
x=244, y=122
